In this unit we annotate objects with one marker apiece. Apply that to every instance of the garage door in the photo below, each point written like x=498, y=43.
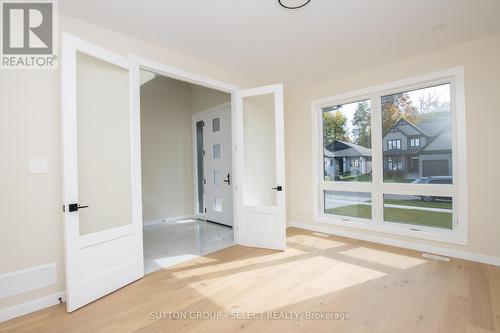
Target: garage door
x=435, y=168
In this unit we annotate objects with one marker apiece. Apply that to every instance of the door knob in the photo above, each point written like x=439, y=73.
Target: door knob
x=75, y=207
x=228, y=179
x=278, y=188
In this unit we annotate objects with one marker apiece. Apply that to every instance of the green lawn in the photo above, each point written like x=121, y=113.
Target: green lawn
x=420, y=203
x=360, y=211
x=400, y=215
x=397, y=180
x=356, y=178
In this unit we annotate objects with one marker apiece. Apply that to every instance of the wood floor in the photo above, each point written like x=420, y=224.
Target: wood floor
x=379, y=288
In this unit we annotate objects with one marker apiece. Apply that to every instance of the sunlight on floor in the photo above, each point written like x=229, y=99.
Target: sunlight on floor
x=383, y=258
x=319, y=234
x=314, y=276
x=236, y=264
x=315, y=242
x=183, y=221
x=173, y=260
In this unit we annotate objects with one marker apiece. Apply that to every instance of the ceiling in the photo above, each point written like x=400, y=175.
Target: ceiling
x=270, y=43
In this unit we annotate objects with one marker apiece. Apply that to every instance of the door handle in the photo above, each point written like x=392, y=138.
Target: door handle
x=228, y=180
x=75, y=207
x=278, y=188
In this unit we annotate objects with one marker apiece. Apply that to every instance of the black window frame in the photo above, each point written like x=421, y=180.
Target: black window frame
x=394, y=143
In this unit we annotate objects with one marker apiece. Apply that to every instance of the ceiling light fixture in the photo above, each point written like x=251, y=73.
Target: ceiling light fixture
x=285, y=4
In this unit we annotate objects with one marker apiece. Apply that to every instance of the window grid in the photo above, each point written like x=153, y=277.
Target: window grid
x=394, y=144
x=458, y=235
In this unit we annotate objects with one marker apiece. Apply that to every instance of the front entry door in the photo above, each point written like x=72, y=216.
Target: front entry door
x=218, y=175
x=261, y=167
x=102, y=202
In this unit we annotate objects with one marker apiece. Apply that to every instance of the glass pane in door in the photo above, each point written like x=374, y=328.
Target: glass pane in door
x=103, y=134
x=259, y=151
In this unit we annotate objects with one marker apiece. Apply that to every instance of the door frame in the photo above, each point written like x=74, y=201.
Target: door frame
x=195, y=118
x=138, y=63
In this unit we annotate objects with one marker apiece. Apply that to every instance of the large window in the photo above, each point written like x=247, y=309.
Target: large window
x=389, y=158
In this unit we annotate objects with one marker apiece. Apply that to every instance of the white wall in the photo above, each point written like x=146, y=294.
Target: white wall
x=30, y=205
x=481, y=59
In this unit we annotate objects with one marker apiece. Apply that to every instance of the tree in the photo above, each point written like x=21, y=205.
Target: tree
x=361, y=125
x=395, y=107
x=334, y=127
x=425, y=103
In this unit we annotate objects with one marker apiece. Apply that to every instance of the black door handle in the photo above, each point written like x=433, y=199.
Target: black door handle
x=228, y=179
x=278, y=188
x=75, y=207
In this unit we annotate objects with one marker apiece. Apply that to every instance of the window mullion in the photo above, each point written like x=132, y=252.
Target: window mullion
x=377, y=161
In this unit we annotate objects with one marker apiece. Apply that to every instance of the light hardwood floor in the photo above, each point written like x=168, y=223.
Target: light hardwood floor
x=384, y=289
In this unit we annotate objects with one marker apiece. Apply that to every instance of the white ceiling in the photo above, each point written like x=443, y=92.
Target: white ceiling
x=325, y=38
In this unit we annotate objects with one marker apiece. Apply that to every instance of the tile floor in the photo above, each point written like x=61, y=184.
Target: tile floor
x=170, y=243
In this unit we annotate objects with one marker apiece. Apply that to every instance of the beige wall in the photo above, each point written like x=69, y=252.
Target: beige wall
x=203, y=98
x=166, y=149
x=31, y=220
x=481, y=59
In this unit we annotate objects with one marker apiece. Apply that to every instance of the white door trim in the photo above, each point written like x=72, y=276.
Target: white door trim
x=138, y=63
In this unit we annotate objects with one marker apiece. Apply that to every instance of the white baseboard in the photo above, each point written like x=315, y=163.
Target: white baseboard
x=29, y=279
x=485, y=259
x=167, y=219
x=31, y=306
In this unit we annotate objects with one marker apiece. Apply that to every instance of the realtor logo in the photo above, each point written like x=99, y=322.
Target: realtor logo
x=28, y=34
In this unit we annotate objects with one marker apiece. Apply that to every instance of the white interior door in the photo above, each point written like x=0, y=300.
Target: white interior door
x=218, y=194
x=261, y=167
x=103, y=242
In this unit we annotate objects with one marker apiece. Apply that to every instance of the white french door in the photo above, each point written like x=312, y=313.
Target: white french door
x=261, y=167
x=102, y=199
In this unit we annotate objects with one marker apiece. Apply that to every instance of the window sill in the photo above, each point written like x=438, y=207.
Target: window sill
x=398, y=229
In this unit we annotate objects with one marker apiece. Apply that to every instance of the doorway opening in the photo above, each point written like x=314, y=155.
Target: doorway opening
x=187, y=190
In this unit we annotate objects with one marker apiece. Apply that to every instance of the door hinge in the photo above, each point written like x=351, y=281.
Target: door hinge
x=64, y=208
x=203, y=151
x=204, y=182
x=205, y=210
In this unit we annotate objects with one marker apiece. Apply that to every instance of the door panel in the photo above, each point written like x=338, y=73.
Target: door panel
x=103, y=242
x=261, y=200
